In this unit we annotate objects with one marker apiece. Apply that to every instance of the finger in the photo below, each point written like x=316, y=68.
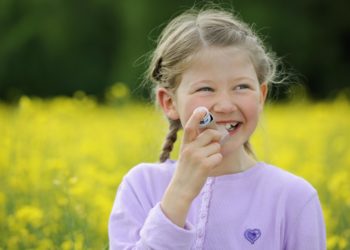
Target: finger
x=214, y=160
x=211, y=149
x=206, y=137
x=191, y=127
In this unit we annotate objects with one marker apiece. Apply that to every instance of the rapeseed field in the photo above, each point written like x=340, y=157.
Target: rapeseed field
x=61, y=161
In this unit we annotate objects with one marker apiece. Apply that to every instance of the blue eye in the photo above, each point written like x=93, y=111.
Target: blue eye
x=205, y=89
x=242, y=86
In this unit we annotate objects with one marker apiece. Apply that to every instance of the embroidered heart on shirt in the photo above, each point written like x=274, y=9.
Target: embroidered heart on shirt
x=252, y=235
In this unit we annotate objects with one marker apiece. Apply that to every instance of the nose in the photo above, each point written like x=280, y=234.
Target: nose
x=224, y=104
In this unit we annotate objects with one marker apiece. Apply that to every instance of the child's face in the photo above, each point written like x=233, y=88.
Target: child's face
x=224, y=81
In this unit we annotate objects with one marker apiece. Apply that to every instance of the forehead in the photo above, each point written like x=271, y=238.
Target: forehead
x=213, y=62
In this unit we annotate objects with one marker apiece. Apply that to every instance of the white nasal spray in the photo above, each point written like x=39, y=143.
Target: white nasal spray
x=208, y=119
x=208, y=122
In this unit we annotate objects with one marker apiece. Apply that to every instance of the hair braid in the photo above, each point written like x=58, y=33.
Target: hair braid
x=197, y=29
x=174, y=126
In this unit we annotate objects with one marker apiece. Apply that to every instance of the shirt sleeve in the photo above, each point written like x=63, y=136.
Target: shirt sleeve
x=308, y=231
x=133, y=224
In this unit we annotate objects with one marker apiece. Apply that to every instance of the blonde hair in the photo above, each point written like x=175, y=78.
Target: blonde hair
x=192, y=31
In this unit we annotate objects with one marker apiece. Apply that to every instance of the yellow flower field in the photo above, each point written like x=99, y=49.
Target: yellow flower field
x=61, y=161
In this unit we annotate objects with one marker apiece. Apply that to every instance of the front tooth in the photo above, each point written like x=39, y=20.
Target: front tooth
x=231, y=125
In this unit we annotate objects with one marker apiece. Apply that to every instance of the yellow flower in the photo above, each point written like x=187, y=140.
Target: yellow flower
x=45, y=244
x=67, y=157
x=67, y=245
x=29, y=215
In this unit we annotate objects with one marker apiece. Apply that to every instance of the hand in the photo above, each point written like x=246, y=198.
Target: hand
x=199, y=154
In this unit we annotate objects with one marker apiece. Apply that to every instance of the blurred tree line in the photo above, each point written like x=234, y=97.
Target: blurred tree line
x=57, y=47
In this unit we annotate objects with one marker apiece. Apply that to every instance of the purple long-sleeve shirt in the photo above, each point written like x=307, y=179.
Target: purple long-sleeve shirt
x=263, y=207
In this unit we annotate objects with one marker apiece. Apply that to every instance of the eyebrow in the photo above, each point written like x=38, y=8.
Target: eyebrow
x=201, y=82
x=241, y=78
x=244, y=78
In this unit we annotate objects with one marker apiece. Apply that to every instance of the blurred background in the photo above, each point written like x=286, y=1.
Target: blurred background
x=50, y=48
x=74, y=117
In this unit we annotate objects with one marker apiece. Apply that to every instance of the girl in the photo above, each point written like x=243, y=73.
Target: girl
x=216, y=195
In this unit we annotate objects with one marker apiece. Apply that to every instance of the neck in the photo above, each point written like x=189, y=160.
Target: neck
x=235, y=162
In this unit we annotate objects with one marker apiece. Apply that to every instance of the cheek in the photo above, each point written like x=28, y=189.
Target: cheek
x=252, y=108
x=187, y=109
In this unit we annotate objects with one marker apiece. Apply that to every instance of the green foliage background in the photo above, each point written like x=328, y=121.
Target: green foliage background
x=57, y=47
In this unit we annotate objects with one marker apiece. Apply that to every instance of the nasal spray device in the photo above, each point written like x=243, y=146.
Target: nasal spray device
x=208, y=122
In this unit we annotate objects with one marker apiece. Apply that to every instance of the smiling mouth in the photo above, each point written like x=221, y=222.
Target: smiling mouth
x=231, y=126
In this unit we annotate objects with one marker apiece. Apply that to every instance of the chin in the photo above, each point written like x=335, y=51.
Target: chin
x=231, y=147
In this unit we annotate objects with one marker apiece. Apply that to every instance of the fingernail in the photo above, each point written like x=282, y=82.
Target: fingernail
x=201, y=109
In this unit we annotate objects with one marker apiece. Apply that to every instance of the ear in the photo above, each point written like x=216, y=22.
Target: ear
x=263, y=94
x=167, y=101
